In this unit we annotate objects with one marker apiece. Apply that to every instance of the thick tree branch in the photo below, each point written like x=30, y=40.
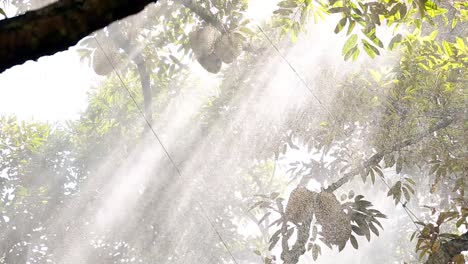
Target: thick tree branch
x=58, y=26
x=377, y=157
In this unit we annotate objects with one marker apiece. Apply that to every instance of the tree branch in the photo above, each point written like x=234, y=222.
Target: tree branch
x=58, y=26
x=377, y=157
x=145, y=86
x=203, y=13
x=136, y=56
x=291, y=256
x=209, y=18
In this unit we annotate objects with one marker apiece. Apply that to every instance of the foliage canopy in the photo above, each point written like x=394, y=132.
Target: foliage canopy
x=399, y=128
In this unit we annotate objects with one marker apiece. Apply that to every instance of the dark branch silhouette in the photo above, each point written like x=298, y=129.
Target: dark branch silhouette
x=58, y=26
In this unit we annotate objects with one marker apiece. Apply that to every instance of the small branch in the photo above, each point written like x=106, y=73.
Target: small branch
x=377, y=157
x=58, y=26
x=145, y=86
x=299, y=248
x=136, y=57
x=203, y=13
x=209, y=18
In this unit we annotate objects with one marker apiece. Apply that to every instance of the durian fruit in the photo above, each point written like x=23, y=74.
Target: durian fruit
x=202, y=41
x=211, y=63
x=336, y=225
x=101, y=64
x=300, y=205
x=228, y=47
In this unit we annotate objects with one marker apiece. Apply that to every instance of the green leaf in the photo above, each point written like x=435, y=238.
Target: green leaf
x=447, y=49
x=264, y=218
x=341, y=247
x=357, y=230
x=354, y=242
x=370, y=49
x=283, y=12
x=397, y=192
x=460, y=222
x=2, y=12
x=395, y=41
x=341, y=24
x=273, y=242
x=358, y=198
x=349, y=44
x=410, y=180
x=460, y=44
x=433, y=10
x=351, y=26
x=375, y=40
x=402, y=10
x=373, y=229
x=454, y=22
x=256, y=204
x=399, y=164
x=378, y=171
x=406, y=193
x=372, y=174
x=337, y=10
x=363, y=176
x=351, y=53
x=433, y=34
x=313, y=237
x=315, y=251
x=356, y=54
x=274, y=195
x=287, y=4
x=247, y=31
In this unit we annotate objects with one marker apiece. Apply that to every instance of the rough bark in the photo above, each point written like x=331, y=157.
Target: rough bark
x=58, y=26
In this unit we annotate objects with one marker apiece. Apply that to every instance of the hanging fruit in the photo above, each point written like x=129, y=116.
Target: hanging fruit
x=336, y=225
x=300, y=205
x=228, y=47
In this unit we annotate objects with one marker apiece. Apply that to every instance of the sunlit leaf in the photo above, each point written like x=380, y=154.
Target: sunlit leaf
x=349, y=44
x=341, y=24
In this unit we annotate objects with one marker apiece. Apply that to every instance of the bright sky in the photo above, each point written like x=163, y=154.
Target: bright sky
x=54, y=88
